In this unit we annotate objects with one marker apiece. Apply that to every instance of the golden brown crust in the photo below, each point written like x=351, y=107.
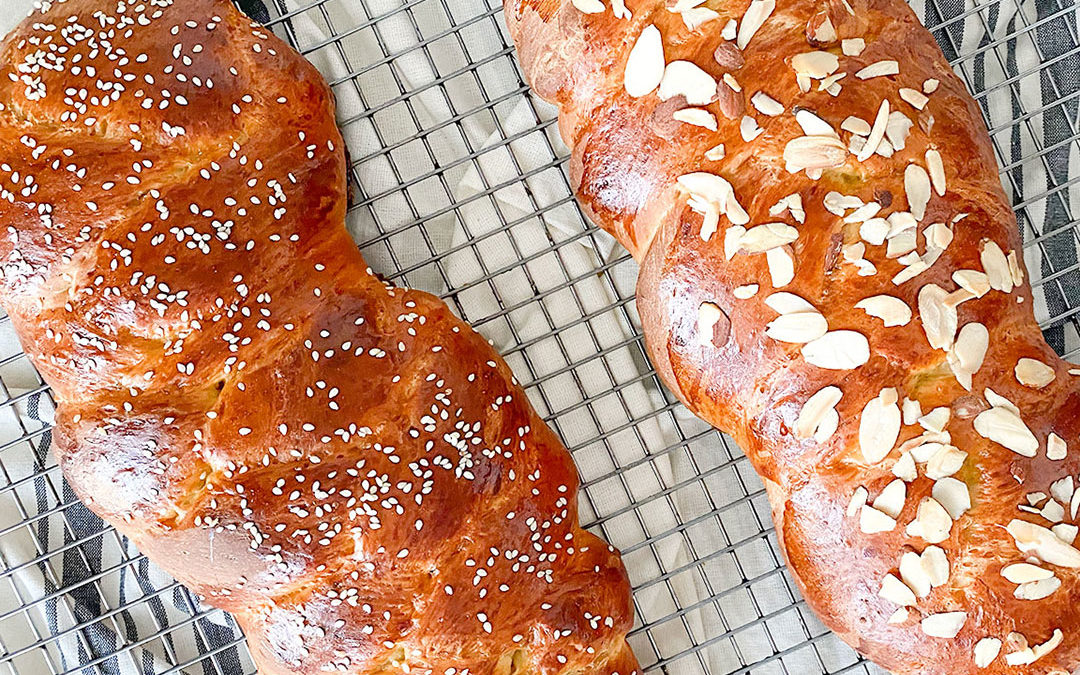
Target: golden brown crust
x=345, y=466
x=708, y=331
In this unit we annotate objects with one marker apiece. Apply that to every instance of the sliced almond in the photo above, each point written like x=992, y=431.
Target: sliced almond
x=1030, y=655
x=899, y=616
x=856, y=125
x=932, y=522
x=853, y=253
x=831, y=84
x=1014, y=269
x=1033, y=373
x=973, y=281
x=781, y=263
x=680, y=6
x=1037, y=590
x=877, y=132
x=812, y=125
x=816, y=65
x=900, y=222
x=766, y=105
x=986, y=651
x=879, y=69
x=729, y=31
x=879, y=426
x=905, y=468
x=588, y=6
x=936, y=564
x=891, y=310
x=730, y=81
x=715, y=153
x=930, y=86
x=936, y=419
x=852, y=46
x=814, y=152
x=749, y=129
x=698, y=117
x=938, y=236
x=1003, y=426
x=958, y=297
x=788, y=303
x=709, y=314
x=938, y=320
x=996, y=266
x=913, y=572
x=891, y=500
x=1050, y=645
x=864, y=213
x=815, y=412
x=945, y=625
x=915, y=97
x=968, y=352
x=1042, y=542
x=1052, y=511
x=858, y=498
x=761, y=238
x=1066, y=532
x=753, y=19
x=912, y=410
x=820, y=30
x=698, y=16
x=874, y=230
x=1062, y=489
x=953, y=495
x=937, y=171
x=745, y=292
x=683, y=78
x=872, y=521
x=798, y=328
x=998, y=401
x=917, y=188
x=945, y=462
x=1056, y=448
x=838, y=350
x=837, y=204
x=1021, y=573
x=923, y=452
x=733, y=240
x=645, y=64
x=791, y=204
x=897, y=130
x=896, y=591
x=709, y=188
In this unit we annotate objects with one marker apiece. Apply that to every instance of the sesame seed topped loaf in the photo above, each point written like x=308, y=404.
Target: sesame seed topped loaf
x=831, y=272
x=345, y=466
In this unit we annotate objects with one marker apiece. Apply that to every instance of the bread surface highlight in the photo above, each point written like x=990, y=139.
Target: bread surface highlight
x=345, y=466
x=831, y=272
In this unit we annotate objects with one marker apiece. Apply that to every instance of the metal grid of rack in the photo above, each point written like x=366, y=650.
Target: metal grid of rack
x=459, y=188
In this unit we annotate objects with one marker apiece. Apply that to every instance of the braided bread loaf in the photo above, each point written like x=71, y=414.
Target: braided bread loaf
x=831, y=272
x=345, y=466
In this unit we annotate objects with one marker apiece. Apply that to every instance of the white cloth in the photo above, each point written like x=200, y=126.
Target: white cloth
x=710, y=588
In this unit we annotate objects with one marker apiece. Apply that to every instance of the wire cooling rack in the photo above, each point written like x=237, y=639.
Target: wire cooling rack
x=459, y=188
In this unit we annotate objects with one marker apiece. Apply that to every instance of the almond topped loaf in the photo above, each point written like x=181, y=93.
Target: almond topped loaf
x=830, y=271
